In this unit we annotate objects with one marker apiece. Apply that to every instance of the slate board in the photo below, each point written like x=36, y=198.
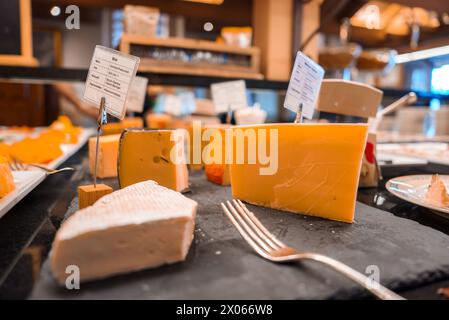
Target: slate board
x=220, y=264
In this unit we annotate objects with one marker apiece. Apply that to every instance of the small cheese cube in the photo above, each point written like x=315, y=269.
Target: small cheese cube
x=89, y=194
x=218, y=173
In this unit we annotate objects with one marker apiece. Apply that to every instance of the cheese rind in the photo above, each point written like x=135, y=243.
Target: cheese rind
x=141, y=226
x=107, y=155
x=317, y=173
x=147, y=155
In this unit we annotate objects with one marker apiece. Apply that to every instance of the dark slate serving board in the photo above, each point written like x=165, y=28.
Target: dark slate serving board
x=220, y=264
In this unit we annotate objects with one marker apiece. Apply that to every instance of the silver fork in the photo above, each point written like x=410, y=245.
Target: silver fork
x=17, y=165
x=270, y=248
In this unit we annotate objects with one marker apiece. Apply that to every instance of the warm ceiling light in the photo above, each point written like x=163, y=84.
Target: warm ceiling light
x=208, y=26
x=216, y=2
x=55, y=11
x=445, y=18
x=368, y=17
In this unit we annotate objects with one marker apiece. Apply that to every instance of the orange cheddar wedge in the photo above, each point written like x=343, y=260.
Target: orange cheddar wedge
x=311, y=169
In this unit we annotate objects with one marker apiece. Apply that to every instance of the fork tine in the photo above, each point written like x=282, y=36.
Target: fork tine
x=11, y=166
x=22, y=165
x=19, y=165
x=247, y=228
x=246, y=231
x=243, y=233
x=245, y=213
x=14, y=164
x=260, y=226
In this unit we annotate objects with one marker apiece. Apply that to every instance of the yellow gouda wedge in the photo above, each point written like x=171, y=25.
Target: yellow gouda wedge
x=107, y=155
x=149, y=155
x=317, y=171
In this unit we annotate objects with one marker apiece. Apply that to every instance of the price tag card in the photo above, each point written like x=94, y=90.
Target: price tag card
x=304, y=85
x=136, y=94
x=229, y=94
x=110, y=76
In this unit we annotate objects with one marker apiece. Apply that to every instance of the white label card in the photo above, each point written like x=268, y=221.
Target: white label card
x=136, y=94
x=304, y=85
x=229, y=94
x=110, y=76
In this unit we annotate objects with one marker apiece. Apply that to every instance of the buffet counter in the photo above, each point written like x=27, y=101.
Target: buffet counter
x=221, y=259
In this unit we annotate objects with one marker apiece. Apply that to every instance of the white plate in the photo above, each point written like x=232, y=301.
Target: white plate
x=25, y=182
x=436, y=152
x=28, y=180
x=414, y=188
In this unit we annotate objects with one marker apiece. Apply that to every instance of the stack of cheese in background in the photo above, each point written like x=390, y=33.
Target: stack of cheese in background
x=43, y=145
x=250, y=115
x=158, y=120
x=215, y=166
x=118, y=127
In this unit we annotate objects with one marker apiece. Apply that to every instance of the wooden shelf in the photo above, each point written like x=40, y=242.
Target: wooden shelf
x=252, y=71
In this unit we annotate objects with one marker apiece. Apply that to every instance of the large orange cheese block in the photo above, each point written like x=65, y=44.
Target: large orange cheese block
x=107, y=155
x=6, y=179
x=153, y=155
x=317, y=169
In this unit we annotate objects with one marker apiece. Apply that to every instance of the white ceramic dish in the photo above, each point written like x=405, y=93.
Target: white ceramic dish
x=414, y=188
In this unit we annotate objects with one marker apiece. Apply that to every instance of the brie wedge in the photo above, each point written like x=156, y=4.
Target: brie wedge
x=141, y=226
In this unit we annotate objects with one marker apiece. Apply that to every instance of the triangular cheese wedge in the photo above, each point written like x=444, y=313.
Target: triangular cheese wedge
x=142, y=226
x=437, y=191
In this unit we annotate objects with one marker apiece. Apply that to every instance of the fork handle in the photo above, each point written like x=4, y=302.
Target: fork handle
x=378, y=290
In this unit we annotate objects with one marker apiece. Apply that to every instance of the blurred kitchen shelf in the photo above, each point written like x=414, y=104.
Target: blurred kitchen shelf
x=193, y=57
